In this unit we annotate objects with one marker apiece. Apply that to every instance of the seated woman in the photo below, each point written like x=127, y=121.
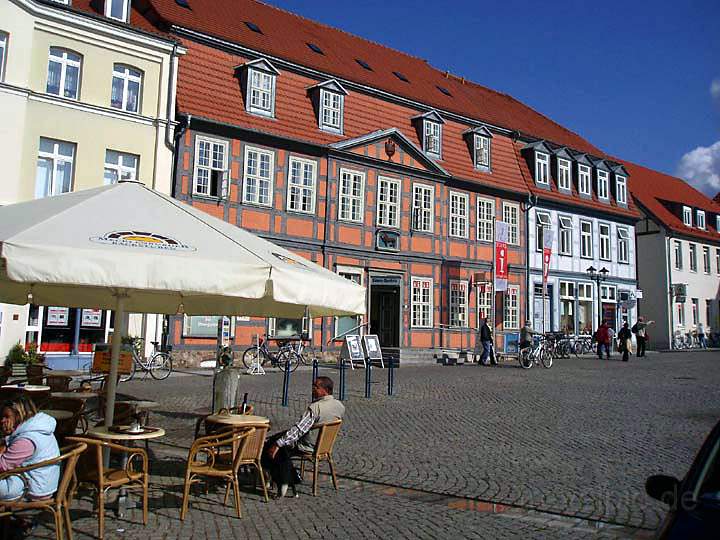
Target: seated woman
x=28, y=439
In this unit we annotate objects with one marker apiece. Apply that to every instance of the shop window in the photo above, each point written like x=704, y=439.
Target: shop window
x=349, y=324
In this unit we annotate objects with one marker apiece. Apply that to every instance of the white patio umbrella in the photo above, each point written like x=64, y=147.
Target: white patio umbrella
x=129, y=248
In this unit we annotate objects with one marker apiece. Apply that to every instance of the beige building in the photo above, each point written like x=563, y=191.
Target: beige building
x=85, y=100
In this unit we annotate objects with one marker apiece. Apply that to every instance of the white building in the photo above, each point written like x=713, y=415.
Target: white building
x=678, y=255
x=582, y=202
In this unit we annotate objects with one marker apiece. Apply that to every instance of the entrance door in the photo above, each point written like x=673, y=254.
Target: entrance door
x=385, y=313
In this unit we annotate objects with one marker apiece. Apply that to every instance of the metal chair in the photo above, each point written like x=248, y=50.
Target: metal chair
x=327, y=433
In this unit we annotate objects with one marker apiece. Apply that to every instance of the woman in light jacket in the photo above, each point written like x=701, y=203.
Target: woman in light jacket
x=28, y=439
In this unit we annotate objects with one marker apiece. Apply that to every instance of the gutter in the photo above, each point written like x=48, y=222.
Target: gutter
x=172, y=94
x=669, y=291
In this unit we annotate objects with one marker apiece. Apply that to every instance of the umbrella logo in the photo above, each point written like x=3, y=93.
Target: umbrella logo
x=140, y=239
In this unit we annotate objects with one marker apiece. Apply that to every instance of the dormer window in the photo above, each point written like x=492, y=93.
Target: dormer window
x=259, y=82
x=603, y=184
x=329, y=99
x=621, y=189
x=542, y=168
x=479, y=141
x=429, y=126
x=118, y=10
x=584, y=179
x=687, y=216
x=564, y=181
x=700, y=214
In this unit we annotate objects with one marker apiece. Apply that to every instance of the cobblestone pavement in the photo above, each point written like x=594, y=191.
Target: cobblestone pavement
x=467, y=451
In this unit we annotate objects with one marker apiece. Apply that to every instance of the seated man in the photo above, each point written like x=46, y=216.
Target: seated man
x=281, y=446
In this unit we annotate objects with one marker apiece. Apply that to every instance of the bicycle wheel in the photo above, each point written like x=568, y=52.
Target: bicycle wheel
x=525, y=358
x=546, y=358
x=288, y=355
x=160, y=366
x=308, y=355
x=251, y=356
x=133, y=368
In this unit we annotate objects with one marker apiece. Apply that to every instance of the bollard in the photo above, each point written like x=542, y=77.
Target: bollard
x=391, y=377
x=342, y=379
x=368, y=377
x=286, y=383
x=314, y=374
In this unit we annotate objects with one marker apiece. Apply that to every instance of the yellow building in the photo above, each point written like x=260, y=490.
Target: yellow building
x=85, y=100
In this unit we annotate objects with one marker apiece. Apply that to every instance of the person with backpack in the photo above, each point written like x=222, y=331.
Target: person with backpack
x=641, y=335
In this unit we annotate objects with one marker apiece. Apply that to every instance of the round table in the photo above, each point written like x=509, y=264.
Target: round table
x=27, y=387
x=141, y=404
x=104, y=433
x=63, y=373
x=237, y=419
x=74, y=395
x=58, y=414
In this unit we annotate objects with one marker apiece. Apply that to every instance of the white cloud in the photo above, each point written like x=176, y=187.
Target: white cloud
x=715, y=90
x=701, y=168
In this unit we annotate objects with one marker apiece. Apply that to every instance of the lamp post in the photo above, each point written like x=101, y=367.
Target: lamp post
x=598, y=276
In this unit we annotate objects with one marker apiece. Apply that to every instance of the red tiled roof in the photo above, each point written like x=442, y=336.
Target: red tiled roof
x=286, y=35
x=652, y=188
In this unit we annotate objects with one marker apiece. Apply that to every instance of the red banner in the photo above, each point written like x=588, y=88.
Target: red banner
x=501, y=256
x=501, y=260
x=547, y=253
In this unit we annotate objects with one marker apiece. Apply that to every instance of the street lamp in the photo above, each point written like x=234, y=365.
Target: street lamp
x=598, y=276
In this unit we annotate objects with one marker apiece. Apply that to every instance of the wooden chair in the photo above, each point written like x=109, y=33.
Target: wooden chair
x=91, y=470
x=58, y=383
x=213, y=427
x=251, y=452
x=210, y=447
x=327, y=433
x=65, y=428
x=59, y=503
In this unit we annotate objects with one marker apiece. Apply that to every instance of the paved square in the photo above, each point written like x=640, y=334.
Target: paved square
x=461, y=451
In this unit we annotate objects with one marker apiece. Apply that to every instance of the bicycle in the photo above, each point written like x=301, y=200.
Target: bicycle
x=261, y=353
x=539, y=351
x=158, y=364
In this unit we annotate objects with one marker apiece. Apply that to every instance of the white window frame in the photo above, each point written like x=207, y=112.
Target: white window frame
x=604, y=245
x=123, y=72
x=693, y=256
x=298, y=190
x=349, y=204
x=432, y=131
x=458, y=303
x=421, y=315
x=678, y=255
x=623, y=245
x=542, y=222
x=707, y=266
x=485, y=219
x=717, y=261
x=603, y=184
x=258, y=178
x=717, y=223
x=122, y=170
x=687, y=216
x=585, y=292
x=542, y=168
x=345, y=271
x=458, y=218
x=620, y=189
x=211, y=166
x=305, y=326
x=125, y=8
x=700, y=216
x=695, y=303
x=256, y=92
x=565, y=236
x=564, y=174
x=332, y=105
x=64, y=62
x=4, y=39
x=680, y=312
x=511, y=310
x=388, y=210
x=511, y=215
x=423, y=208
x=55, y=158
x=484, y=301
x=608, y=293
x=584, y=176
x=482, y=151
x=586, y=240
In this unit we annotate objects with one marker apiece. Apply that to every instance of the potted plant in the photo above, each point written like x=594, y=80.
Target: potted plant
x=17, y=360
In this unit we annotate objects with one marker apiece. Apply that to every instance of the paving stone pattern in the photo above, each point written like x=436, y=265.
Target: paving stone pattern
x=564, y=453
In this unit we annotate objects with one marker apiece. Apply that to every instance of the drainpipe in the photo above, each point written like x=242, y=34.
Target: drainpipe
x=172, y=93
x=323, y=324
x=531, y=203
x=671, y=303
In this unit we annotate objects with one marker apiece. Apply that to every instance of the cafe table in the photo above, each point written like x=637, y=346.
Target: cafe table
x=75, y=395
x=63, y=373
x=58, y=414
x=27, y=387
x=122, y=433
x=237, y=422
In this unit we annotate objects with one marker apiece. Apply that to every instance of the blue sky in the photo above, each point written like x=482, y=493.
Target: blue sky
x=633, y=77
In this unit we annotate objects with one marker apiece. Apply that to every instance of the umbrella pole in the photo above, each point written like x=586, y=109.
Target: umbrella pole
x=118, y=333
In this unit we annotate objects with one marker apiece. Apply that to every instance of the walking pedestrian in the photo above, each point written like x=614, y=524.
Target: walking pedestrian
x=487, y=356
x=641, y=334
x=602, y=336
x=701, y=336
x=624, y=341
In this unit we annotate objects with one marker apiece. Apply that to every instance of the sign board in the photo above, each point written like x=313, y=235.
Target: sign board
x=202, y=326
x=57, y=316
x=352, y=349
x=91, y=318
x=511, y=342
x=101, y=359
x=638, y=293
x=372, y=347
x=501, y=255
x=385, y=280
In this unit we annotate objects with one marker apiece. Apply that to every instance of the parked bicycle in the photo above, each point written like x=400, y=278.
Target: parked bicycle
x=262, y=354
x=158, y=364
x=540, y=352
